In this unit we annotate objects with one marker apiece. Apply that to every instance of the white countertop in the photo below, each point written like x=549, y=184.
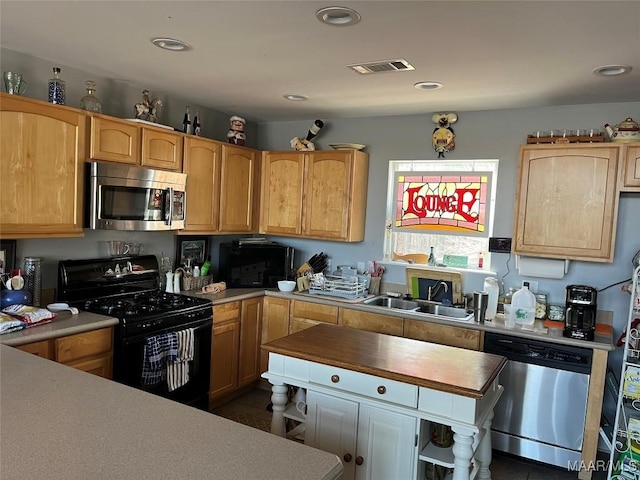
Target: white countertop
x=61, y=423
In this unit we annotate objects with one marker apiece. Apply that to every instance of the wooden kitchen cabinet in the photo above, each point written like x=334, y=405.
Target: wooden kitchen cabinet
x=235, y=346
x=239, y=187
x=225, y=348
x=443, y=334
x=321, y=194
x=630, y=178
x=373, y=322
x=567, y=201
x=42, y=153
x=222, y=187
x=202, y=166
x=308, y=314
x=250, y=339
x=275, y=324
x=88, y=351
x=122, y=141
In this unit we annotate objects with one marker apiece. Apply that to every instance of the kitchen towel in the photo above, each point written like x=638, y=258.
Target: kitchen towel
x=178, y=371
x=158, y=350
x=214, y=287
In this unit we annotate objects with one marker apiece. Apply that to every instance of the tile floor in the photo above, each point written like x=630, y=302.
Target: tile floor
x=250, y=409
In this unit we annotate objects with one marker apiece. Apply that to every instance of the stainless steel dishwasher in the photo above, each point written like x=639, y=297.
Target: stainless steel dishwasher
x=541, y=414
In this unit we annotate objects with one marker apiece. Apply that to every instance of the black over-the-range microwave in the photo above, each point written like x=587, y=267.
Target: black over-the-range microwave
x=255, y=265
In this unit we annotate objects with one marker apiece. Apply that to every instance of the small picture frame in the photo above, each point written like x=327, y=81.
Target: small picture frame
x=7, y=256
x=195, y=248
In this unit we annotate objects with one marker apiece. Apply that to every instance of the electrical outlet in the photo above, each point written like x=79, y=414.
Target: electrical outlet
x=499, y=245
x=533, y=285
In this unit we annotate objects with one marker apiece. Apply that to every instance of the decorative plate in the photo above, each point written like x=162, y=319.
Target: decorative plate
x=347, y=146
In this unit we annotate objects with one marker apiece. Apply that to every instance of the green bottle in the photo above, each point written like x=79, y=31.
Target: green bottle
x=205, y=267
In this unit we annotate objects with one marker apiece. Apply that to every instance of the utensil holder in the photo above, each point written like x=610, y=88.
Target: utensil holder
x=374, y=285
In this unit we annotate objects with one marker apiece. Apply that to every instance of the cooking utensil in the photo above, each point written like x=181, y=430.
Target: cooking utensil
x=60, y=307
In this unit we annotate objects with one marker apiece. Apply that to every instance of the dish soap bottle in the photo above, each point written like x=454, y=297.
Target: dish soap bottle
x=205, y=267
x=523, y=305
x=432, y=259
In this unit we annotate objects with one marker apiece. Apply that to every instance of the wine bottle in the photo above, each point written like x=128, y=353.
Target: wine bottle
x=186, y=123
x=315, y=128
x=196, y=124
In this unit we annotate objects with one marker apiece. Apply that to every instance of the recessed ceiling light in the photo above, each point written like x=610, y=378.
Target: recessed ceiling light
x=171, y=44
x=338, y=16
x=295, y=98
x=428, y=85
x=612, y=70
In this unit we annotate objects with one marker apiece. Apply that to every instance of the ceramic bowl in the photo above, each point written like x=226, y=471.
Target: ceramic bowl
x=286, y=285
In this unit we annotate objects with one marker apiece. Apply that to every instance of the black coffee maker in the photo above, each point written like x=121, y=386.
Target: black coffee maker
x=580, y=312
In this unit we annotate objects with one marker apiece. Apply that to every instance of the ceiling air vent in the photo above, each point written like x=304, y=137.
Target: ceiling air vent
x=399, y=65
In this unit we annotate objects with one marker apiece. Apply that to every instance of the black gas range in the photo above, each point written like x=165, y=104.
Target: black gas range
x=128, y=288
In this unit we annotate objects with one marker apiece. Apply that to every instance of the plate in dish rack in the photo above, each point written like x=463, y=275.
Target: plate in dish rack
x=347, y=146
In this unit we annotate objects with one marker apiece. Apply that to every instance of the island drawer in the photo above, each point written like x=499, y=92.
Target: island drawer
x=364, y=384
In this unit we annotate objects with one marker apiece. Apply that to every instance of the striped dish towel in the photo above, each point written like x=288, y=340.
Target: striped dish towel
x=158, y=351
x=178, y=371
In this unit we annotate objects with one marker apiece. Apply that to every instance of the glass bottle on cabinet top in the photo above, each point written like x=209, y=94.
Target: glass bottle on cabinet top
x=90, y=102
x=57, y=88
x=432, y=258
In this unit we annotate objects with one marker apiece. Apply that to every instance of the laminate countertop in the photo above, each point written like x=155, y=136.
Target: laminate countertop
x=439, y=367
x=62, y=423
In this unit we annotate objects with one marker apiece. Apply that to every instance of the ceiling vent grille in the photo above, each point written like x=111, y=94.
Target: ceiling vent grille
x=398, y=65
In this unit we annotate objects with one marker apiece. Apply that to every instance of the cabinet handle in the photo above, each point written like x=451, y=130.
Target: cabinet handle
x=359, y=460
x=382, y=389
x=335, y=378
x=347, y=457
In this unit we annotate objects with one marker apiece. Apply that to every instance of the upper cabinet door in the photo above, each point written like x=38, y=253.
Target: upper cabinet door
x=567, y=202
x=631, y=168
x=238, y=183
x=335, y=195
x=202, y=166
x=282, y=190
x=114, y=141
x=161, y=149
x=42, y=153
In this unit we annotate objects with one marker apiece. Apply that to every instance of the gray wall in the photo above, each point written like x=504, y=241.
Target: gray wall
x=487, y=134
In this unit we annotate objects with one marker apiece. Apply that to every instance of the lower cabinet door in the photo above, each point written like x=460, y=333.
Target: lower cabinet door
x=373, y=443
x=386, y=444
x=331, y=425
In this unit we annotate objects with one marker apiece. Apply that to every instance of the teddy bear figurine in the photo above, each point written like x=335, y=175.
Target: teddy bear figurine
x=235, y=135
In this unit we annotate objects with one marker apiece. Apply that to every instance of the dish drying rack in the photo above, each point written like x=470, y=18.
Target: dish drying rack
x=336, y=286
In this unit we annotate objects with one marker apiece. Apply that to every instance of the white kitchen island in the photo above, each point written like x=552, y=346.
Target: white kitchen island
x=61, y=423
x=372, y=399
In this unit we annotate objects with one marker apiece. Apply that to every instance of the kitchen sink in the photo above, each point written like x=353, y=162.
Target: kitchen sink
x=420, y=306
x=390, y=302
x=438, y=309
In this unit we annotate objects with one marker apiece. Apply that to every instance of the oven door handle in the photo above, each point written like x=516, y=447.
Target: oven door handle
x=169, y=216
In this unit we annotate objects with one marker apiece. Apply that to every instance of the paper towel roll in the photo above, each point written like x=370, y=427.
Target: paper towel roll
x=541, y=267
x=300, y=400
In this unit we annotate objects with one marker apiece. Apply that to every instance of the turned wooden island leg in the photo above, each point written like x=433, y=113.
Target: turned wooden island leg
x=462, y=453
x=483, y=452
x=279, y=402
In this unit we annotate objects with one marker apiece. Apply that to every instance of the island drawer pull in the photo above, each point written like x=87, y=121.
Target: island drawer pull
x=347, y=457
x=335, y=378
x=382, y=389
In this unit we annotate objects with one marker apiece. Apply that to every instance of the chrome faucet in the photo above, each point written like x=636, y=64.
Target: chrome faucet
x=435, y=289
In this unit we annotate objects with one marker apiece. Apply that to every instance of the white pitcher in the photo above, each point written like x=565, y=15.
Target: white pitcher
x=176, y=282
x=169, y=287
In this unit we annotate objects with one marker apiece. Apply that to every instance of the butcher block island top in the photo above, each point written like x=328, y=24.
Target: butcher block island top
x=438, y=367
